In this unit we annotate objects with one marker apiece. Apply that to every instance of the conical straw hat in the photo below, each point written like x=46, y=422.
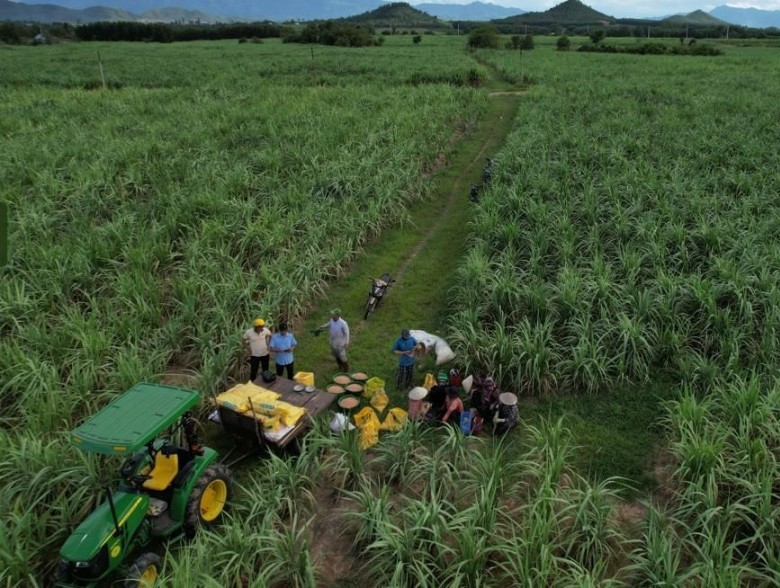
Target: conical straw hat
x=507, y=398
x=417, y=393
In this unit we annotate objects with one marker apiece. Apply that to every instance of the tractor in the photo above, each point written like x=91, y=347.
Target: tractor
x=169, y=484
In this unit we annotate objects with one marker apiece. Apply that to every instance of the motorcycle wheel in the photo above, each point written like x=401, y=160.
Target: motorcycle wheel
x=370, y=305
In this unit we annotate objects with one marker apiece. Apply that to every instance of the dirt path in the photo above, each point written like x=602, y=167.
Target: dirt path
x=422, y=258
x=462, y=183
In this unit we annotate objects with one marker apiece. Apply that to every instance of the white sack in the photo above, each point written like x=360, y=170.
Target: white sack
x=444, y=352
x=339, y=423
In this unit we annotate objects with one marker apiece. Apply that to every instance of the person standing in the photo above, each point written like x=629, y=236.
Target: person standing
x=282, y=344
x=255, y=342
x=339, y=338
x=404, y=349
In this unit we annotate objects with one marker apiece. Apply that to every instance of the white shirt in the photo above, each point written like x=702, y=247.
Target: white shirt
x=258, y=342
x=339, y=332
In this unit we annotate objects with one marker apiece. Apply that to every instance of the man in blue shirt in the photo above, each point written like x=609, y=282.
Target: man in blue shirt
x=283, y=343
x=404, y=349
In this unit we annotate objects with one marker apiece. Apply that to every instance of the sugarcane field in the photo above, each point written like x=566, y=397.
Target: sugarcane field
x=419, y=313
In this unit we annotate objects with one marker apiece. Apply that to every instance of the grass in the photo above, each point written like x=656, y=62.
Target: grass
x=615, y=433
x=623, y=257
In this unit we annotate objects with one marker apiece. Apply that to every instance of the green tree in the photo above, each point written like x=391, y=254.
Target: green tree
x=484, y=37
x=597, y=36
x=417, y=39
x=527, y=43
x=563, y=43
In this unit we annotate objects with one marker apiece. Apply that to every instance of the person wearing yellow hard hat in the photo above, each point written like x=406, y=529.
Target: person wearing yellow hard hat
x=256, y=342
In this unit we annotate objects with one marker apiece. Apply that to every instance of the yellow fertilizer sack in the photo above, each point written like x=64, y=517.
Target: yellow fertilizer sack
x=236, y=398
x=270, y=423
x=289, y=414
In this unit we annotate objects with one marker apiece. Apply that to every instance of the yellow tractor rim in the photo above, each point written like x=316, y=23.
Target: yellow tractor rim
x=148, y=577
x=212, y=501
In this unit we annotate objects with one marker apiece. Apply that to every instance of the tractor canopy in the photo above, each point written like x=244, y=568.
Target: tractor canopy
x=134, y=419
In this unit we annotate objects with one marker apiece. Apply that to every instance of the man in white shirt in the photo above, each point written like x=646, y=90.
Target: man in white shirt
x=256, y=343
x=339, y=338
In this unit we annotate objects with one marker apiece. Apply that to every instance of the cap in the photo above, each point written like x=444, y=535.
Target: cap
x=335, y=311
x=405, y=333
x=443, y=377
x=259, y=322
x=418, y=393
x=507, y=398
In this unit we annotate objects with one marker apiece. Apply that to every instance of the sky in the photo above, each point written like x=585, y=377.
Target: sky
x=628, y=8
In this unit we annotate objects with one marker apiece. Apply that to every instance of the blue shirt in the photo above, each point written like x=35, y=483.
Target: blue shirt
x=402, y=344
x=281, y=342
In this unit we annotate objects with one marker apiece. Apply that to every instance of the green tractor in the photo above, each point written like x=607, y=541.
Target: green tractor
x=169, y=484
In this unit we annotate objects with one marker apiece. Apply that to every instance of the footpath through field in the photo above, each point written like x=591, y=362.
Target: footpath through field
x=421, y=255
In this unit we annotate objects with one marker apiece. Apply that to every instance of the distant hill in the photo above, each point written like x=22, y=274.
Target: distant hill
x=398, y=14
x=747, y=17
x=49, y=13
x=277, y=10
x=697, y=17
x=474, y=11
x=569, y=12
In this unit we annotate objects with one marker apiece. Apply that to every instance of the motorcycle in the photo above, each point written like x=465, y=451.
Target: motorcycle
x=377, y=293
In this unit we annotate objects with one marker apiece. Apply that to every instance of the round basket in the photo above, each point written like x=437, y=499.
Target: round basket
x=360, y=377
x=342, y=379
x=335, y=389
x=349, y=402
x=354, y=388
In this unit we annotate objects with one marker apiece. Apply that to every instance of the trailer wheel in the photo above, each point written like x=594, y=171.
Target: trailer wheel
x=208, y=499
x=143, y=573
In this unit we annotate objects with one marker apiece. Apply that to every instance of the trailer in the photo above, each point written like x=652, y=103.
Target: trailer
x=246, y=428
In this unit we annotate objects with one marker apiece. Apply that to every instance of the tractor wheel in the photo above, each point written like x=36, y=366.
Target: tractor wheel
x=143, y=573
x=62, y=575
x=208, y=499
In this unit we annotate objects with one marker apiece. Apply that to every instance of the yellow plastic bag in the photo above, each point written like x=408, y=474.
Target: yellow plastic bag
x=366, y=416
x=372, y=385
x=430, y=381
x=380, y=400
x=395, y=420
x=369, y=436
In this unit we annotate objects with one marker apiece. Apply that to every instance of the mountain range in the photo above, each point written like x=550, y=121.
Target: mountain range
x=207, y=11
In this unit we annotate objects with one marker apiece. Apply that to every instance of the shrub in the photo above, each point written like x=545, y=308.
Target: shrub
x=484, y=37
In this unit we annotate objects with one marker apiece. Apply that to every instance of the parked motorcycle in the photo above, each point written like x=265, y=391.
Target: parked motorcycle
x=377, y=292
